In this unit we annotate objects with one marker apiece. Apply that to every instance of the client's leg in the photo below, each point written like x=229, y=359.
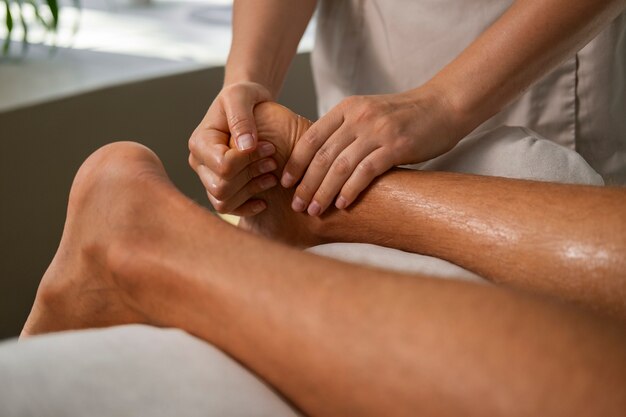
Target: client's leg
x=334, y=338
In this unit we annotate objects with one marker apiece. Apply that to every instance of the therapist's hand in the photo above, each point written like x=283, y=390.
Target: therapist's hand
x=233, y=175
x=360, y=139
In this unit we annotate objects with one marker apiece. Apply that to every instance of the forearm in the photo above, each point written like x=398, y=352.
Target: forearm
x=530, y=39
x=266, y=34
x=559, y=239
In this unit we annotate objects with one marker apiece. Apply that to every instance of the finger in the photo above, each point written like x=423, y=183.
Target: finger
x=310, y=142
x=321, y=163
x=223, y=189
x=225, y=161
x=250, y=208
x=238, y=109
x=208, y=144
x=339, y=172
x=252, y=188
x=375, y=164
x=193, y=162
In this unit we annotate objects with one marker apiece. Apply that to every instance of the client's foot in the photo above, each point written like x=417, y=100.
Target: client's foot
x=115, y=193
x=283, y=128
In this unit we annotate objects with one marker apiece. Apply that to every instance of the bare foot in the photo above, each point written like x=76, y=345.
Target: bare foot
x=283, y=128
x=117, y=185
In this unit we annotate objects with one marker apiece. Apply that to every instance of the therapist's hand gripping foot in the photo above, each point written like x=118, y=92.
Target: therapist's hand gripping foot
x=237, y=192
x=226, y=154
x=262, y=49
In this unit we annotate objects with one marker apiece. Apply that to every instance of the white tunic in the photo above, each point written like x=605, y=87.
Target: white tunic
x=390, y=46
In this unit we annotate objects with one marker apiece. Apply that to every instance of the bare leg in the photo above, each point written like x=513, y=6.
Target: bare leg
x=334, y=338
x=560, y=240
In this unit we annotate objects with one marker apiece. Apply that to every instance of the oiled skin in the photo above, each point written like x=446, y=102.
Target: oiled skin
x=335, y=338
x=562, y=240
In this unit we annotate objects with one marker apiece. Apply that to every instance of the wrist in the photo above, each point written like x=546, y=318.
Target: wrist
x=439, y=115
x=460, y=116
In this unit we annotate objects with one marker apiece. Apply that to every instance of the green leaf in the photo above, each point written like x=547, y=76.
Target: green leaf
x=54, y=9
x=9, y=24
x=40, y=18
x=9, y=20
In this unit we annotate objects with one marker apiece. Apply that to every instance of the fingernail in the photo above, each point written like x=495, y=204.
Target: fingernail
x=268, y=182
x=298, y=204
x=341, y=203
x=267, y=166
x=245, y=141
x=287, y=180
x=314, y=208
x=266, y=149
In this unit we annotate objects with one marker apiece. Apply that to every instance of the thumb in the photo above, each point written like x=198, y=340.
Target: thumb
x=241, y=126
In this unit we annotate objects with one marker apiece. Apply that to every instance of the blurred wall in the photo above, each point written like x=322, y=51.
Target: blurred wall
x=41, y=148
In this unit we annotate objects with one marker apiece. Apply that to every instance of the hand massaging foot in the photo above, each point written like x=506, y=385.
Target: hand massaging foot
x=283, y=128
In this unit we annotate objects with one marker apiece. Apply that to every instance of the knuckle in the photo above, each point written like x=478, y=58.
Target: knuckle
x=193, y=143
x=304, y=191
x=218, y=189
x=310, y=139
x=367, y=167
x=322, y=157
x=385, y=124
x=359, y=106
x=238, y=123
x=350, y=102
x=342, y=166
x=369, y=112
x=223, y=168
x=220, y=206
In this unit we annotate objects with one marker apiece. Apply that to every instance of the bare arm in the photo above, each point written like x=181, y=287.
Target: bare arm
x=265, y=38
x=382, y=131
x=529, y=40
x=266, y=34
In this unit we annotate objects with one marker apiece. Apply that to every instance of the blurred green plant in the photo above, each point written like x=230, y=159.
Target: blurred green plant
x=45, y=13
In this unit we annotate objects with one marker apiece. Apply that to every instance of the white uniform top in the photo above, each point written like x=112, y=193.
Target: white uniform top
x=390, y=46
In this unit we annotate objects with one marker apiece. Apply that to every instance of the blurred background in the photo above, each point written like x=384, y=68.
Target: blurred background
x=94, y=72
